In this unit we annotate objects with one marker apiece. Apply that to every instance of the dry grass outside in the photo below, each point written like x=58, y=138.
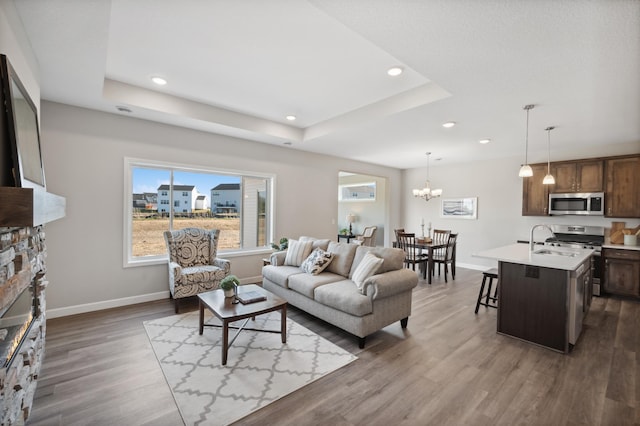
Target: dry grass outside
x=148, y=238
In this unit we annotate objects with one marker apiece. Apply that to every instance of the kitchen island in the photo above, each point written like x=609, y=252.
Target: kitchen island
x=543, y=293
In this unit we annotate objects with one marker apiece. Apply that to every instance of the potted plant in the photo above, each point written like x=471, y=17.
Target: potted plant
x=344, y=231
x=229, y=284
x=283, y=244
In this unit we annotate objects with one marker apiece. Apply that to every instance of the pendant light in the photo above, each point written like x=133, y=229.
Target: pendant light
x=427, y=193
x=549, y=179
x=525, y=170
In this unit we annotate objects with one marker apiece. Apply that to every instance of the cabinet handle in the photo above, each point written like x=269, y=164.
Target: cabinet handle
x=609, y=211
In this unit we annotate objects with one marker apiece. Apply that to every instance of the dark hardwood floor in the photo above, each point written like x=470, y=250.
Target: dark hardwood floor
x=448, y=367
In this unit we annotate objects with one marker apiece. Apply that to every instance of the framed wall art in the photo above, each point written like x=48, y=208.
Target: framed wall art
x=459, y=208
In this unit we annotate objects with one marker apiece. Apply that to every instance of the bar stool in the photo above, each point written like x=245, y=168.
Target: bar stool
x=489, y=301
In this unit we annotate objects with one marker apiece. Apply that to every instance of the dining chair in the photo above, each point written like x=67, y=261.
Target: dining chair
x=412, y=255
x=447, y=257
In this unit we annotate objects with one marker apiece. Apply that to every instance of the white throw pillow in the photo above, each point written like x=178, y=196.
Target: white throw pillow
x=368, y=266
x=297, y=252
x=317, y=261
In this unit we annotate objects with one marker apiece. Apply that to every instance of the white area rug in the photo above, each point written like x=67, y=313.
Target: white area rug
x=260, y=368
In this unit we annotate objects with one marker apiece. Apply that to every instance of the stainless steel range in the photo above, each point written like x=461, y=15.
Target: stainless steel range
x=578, y=236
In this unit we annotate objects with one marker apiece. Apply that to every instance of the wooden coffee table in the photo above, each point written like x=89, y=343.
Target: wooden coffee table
x=227, y=312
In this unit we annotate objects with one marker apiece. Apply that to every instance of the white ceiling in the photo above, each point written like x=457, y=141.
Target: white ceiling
x=239, y=67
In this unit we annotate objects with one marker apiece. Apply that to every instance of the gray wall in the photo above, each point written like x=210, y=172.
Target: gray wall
x=84, y=155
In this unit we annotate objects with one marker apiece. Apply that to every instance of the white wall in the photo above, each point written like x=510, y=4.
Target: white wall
x=499, y=191
x=83, y=155
x=15, y=44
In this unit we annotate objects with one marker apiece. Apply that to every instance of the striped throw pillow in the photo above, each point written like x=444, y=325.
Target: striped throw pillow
x=368, y=266
x=297, y=252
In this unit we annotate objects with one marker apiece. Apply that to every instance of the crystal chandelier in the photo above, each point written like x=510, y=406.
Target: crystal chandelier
x=427, y=193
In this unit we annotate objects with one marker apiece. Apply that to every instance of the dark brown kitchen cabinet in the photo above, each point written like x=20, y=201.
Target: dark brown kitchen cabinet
x=622, y=193
x=578, y=176
x=622, y=271
x=535, y=195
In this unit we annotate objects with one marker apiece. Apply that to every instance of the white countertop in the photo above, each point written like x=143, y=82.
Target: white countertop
x=620, y=246
x=519, y=253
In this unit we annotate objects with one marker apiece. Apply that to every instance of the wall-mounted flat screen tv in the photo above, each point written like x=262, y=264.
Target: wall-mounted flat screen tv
x=21, y=132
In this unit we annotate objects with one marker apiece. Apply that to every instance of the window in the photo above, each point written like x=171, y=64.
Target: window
x=244, y=226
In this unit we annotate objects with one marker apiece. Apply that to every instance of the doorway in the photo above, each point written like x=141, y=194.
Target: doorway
x=364, y=197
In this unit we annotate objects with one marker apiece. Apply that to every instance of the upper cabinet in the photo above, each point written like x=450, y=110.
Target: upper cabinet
x=535, y=195
x=617, y=177
x=622, y=194
x=578, y=176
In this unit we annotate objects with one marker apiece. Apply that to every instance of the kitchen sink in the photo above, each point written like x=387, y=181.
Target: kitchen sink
x=556, y=253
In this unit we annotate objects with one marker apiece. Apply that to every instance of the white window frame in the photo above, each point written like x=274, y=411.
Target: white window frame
x=130, y=163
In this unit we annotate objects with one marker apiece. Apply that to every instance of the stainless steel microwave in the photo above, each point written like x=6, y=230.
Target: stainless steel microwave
x=591, y=204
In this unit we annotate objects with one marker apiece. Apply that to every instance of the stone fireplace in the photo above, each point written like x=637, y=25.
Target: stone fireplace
x=22, y=325
x=23, y=252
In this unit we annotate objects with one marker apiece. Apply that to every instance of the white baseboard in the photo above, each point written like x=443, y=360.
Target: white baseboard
x=116, y=303
x=472, y=266
x=107, y=304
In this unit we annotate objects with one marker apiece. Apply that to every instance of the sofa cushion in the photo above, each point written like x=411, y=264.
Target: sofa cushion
x=393, y=258
x=367, y=267
x=305, y=284
x=344, y=296
x=317, y=243
x=317, y=261
x=280, y=274
x=343, y=255
x=297, y=252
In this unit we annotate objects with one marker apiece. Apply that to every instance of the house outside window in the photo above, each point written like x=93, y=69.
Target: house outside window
x=241, y=210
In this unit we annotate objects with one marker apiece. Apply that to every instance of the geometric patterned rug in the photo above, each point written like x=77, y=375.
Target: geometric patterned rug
x=260, y=368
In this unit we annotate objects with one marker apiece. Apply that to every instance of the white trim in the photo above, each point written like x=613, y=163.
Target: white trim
x=107, y=304
x=472, y=266
x=125, y=301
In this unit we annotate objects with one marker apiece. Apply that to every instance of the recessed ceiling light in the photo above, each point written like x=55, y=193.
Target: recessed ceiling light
x=395, y=71
x=159, y=81
x=449, y=124
x=291, y=117
x=484, y=141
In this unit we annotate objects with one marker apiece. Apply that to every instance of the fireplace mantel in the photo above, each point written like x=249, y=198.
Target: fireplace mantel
x=29, y=207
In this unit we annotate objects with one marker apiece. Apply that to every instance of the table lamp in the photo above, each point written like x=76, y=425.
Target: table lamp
x=351, y=218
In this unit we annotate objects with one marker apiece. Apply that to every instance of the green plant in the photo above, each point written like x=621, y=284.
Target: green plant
x=283, y=244
x=344, y=231
x=229, y=282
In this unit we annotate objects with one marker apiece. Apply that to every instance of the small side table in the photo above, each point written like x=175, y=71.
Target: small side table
x=349, y=237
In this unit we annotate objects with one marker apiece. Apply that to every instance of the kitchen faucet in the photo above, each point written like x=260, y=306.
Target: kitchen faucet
x=533, y=228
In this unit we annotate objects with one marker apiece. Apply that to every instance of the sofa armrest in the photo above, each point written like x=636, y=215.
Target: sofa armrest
x=223, y=264
x=390, y=283
x=277, y=258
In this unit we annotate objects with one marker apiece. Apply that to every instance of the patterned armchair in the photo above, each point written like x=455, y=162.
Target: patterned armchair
x=193, y=265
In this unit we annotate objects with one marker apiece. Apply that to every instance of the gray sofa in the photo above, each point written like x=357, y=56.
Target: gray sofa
x=334, y=297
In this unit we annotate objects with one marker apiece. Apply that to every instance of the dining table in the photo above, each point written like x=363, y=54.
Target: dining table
x=430, y=247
